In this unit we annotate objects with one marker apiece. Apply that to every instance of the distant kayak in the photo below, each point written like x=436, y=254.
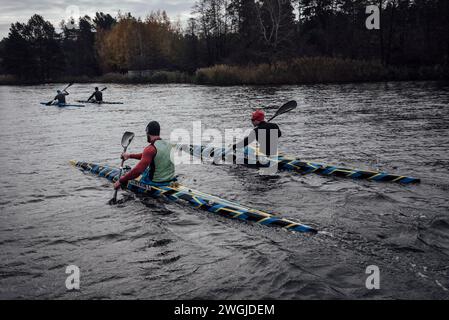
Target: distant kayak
x=63, y=105
x=96, y=102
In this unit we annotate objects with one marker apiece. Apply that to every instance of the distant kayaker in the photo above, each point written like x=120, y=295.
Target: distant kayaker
x=61, y=96
x=264, y=132
x=98, y=96
x=155, y=165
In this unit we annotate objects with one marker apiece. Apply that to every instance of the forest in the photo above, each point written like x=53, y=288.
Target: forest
x=237, y=42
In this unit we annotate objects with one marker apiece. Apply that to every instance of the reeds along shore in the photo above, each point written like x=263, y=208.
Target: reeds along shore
x=296, y=71
x=315, y=70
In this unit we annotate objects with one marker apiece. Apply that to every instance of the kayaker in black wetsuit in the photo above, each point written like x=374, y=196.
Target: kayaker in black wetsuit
x=61, y=96
x=266, y=133
x=98, y=96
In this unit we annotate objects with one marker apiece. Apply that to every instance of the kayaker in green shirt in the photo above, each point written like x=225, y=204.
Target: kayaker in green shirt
x=155, y=165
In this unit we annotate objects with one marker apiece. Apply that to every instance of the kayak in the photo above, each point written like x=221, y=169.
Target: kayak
x=292, y=164
x=96, y=102
x=63, y=105
x=196, y=199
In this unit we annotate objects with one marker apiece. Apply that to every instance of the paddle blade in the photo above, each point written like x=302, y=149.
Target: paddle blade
x=127, y=138
x=289, y=106
x=104, y=88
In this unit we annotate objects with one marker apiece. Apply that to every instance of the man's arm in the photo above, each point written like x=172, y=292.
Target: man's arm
x=146, y=158
x=137, y=156
x=126, y=156
x=91, y=96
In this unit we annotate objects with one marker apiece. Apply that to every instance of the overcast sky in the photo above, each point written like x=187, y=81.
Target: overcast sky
x=56, y=10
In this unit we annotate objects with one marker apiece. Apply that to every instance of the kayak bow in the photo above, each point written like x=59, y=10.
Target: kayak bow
x=197, y=199
x=296, y=165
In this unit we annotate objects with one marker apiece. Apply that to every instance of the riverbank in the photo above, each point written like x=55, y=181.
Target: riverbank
x=296, y=71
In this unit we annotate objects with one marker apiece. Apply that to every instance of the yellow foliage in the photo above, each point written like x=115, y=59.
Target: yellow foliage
x=133, y=44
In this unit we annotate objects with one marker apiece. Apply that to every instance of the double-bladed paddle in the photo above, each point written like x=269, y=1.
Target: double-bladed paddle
x=289, y=106
x=126, y=141
x=50, y=102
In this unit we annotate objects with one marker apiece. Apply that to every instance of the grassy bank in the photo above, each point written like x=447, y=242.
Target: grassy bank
x=297, y=71
x=314, y=70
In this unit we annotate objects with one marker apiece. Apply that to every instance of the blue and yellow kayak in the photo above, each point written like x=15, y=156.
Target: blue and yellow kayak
x=286, y=163
x=197, y=199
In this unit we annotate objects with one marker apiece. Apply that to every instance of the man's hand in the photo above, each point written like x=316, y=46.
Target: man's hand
x=117, y=185
x=125, y=156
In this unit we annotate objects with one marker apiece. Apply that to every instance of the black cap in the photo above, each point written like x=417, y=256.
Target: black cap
x=96, y=88
x=153, y=128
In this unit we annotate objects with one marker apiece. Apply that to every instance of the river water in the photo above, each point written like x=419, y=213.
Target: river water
x=53, y=215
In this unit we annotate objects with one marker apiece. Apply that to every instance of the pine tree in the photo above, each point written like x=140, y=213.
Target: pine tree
x=32, y=50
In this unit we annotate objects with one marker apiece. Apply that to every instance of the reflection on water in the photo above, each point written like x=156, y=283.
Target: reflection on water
x=53, y=215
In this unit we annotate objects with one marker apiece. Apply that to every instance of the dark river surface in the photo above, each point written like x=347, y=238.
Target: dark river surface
x=53, y=215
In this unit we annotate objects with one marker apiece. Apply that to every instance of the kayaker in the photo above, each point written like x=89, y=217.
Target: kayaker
x=61, y=96
x=155, y=165
x=263, y=132
x=97, y=94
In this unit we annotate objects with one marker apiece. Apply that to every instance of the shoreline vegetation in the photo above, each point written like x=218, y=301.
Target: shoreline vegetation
x=312, y=70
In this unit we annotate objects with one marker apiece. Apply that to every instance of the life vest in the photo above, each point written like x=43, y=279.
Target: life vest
x=162, y=169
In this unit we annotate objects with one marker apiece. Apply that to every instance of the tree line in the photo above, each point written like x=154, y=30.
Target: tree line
x=412, y=33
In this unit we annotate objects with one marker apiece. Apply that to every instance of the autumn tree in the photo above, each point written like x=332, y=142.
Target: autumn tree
x=133, y=44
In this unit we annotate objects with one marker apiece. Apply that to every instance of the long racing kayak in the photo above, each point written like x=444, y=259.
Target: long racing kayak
x=63, y=105
x=292, y=164
x=197, y=199
x=96, y=102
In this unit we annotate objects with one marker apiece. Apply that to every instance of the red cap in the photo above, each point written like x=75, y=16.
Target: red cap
x=258, y=115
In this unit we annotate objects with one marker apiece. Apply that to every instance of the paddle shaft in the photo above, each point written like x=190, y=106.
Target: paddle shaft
x=277, y=114
x=114, y=199
x=68, y=87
